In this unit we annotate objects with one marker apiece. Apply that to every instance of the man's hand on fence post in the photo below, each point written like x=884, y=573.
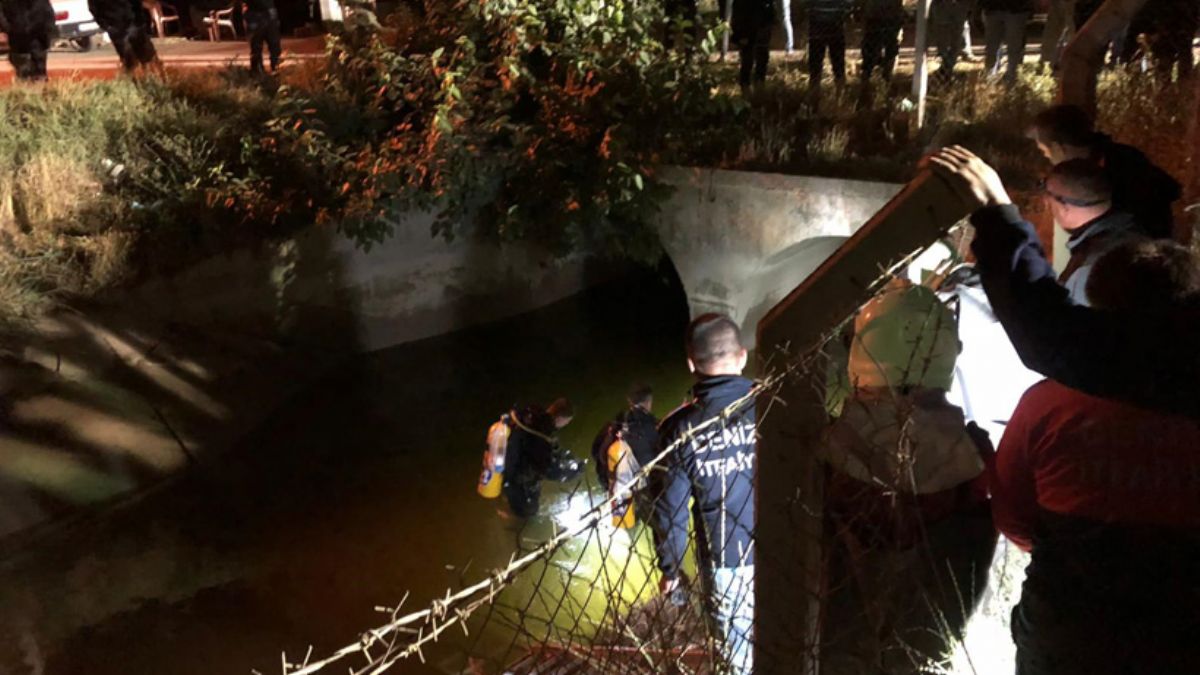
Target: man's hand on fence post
x=972, y=178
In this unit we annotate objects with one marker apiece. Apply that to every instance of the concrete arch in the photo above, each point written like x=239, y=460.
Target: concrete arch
x=741, y=241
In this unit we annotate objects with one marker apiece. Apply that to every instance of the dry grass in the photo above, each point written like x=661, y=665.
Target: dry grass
x=65, y=230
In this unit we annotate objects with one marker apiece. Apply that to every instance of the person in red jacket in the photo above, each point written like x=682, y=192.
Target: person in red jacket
x=1106, y=497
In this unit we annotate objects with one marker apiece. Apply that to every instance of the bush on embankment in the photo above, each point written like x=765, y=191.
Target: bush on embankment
x=538, y=120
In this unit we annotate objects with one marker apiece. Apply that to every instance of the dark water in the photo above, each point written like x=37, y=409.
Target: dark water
x=361, y=490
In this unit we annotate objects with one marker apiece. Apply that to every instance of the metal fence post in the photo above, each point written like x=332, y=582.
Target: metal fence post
x=920, y=64
x=789, y=528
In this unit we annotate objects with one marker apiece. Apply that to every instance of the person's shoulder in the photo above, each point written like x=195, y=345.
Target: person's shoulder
x=1046, y=392
x=1051, y=400
x=673, y=420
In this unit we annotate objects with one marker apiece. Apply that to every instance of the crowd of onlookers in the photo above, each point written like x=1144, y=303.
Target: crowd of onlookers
x=1161, y=33
x=1097, y=473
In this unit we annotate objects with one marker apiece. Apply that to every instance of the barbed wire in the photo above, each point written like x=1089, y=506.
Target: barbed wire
x=406, y=635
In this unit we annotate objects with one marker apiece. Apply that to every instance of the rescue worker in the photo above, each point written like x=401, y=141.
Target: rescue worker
x=533, y=454
x=636, y=423
x=715, y=471
x=1139, y=187
x=906, y=494
x=624, y=445
x=1080, y=199
x=29, y=25
x=262, y=27
x=128, y=25
x=1106, y=497
x=1146, y=356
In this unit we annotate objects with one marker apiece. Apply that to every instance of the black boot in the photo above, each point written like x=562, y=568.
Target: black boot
x=26, y=66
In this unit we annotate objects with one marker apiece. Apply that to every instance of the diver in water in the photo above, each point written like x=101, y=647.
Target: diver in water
x=523, y=450
x=623, y=446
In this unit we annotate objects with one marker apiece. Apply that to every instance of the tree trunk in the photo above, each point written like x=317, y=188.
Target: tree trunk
x=1084, y=55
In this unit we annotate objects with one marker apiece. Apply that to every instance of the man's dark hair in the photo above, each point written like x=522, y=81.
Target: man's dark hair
x=1146, y=274
x=640, y=393
x=710, y=338
x=1083, y=180
x=1065, y=124
x=561, y=407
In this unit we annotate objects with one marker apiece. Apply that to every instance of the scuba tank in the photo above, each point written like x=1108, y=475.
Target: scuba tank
x=491, y=478
x=621, y=468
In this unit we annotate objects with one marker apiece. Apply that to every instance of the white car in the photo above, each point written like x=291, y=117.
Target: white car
x=76, y=24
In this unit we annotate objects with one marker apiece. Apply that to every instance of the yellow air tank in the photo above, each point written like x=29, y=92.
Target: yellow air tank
x=491, y=479
x=620, y=471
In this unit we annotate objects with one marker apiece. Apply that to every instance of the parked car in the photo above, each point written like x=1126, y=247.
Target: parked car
x=76, y=24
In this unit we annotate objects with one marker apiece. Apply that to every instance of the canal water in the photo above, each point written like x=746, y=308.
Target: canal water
x=360, y=491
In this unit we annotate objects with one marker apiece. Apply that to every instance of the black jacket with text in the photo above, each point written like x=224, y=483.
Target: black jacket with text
x=716, y=470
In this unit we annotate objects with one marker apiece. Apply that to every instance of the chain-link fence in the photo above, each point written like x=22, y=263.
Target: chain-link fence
x=906, y=545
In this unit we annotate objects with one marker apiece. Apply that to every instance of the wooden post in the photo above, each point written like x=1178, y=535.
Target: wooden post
x=1084, y=54
x=920, y=64
x=788, y=483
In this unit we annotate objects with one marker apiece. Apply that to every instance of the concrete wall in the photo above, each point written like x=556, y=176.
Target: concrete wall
x=741, y=241
x=104, y=402
x=321, y=289
x=109, y=400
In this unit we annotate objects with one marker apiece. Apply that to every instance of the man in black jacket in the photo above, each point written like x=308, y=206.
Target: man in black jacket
x=1065, y=132
x=262, y=25
x=533, y=455
x=714, y=467
x=1079, y=197
x=29, y=25
x=128, y=25
x=882, y=21
x=827, y=31
x=751, y=31
x=1146, y=355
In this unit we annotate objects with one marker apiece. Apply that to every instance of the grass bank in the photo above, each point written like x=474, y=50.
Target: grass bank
x=103, y=182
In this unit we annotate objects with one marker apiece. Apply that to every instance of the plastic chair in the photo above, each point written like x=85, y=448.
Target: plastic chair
x=218, y=19
x=161, y=14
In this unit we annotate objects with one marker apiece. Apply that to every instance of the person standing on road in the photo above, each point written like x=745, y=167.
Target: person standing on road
x=827, y=31
x=882, y=20
x=1060, y=27
x=128, y=26
x=714, y=469
x=262, y=27
x=29, y=25
x=947, y=18
x=1005, y=21
x=751, y=24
